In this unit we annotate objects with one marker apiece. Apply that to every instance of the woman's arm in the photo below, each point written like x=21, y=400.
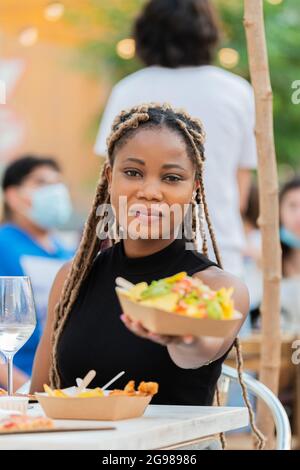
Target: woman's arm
x=207, y=349
x=42, y=360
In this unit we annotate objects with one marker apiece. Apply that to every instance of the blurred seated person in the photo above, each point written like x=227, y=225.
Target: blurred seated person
x=35, y=203
x=290, y=244
x=289, y=205
x=252, y=252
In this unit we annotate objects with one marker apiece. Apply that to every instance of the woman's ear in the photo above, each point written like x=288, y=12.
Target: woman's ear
x=108, y=175
x=196, y=185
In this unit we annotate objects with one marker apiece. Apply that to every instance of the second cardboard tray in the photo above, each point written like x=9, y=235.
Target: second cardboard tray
x=107, y=408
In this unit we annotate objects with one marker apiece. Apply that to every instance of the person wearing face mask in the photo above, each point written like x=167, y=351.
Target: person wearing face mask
x=290, y=244
x=35, y=203
x=289, y=204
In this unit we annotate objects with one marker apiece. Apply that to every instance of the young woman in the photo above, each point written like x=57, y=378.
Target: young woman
x=176, y=42
x=155, y=160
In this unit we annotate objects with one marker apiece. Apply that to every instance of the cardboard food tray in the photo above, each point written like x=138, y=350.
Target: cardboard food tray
x=107, y=408
x=172, y=324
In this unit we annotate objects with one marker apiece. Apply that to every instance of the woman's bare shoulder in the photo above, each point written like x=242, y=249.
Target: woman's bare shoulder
x=61, y=275
x=219, y=277
x=58, y=284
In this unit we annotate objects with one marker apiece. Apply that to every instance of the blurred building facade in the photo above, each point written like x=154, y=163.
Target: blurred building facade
x=52, y=103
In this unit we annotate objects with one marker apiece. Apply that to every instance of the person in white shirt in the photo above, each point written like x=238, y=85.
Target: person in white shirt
x=176, y=42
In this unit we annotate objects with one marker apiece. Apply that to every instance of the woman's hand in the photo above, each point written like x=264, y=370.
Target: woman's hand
x=185, y=351
x=164, y=340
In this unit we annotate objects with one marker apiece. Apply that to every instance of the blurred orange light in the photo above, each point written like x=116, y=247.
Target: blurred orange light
x=29, y=36
x=54, y=11
x=228, y=57
x=126, y=48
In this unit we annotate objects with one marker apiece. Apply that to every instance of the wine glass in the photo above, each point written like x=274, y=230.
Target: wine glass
x=17, y=318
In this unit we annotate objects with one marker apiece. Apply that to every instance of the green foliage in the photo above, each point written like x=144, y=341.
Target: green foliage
x=114, y=18
x=282, y=23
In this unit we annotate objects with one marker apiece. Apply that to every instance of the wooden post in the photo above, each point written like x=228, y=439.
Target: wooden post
x=269, y=209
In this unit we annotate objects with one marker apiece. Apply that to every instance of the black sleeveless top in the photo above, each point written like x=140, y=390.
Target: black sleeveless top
x=94, y=337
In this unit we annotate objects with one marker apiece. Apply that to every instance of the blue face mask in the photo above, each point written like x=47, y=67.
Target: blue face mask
x=51, y=206
x=289, y=239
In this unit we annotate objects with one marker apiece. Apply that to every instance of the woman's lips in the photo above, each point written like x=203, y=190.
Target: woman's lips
x=150, y=215
x=148, y=218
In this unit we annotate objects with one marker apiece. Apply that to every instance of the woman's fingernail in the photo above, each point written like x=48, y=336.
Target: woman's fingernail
x=154, y=336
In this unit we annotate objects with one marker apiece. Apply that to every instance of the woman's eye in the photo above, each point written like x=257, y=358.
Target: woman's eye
x=172, y=178
x=132, y=173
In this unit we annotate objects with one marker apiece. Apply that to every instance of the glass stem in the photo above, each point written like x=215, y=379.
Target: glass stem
x=10, y=381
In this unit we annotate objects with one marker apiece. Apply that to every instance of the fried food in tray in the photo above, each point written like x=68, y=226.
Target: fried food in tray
x=144, y=389
x=96, y=392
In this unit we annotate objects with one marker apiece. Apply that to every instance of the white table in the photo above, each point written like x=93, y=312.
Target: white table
x=161, y=427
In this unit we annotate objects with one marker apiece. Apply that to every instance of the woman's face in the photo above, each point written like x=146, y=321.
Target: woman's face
x=290, y=211
x=156, y=178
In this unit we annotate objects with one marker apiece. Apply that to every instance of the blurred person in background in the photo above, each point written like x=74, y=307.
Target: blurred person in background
x=252, y=253
x=290, y=244
x=35, y=203
x=289, y=205
x=176, y=43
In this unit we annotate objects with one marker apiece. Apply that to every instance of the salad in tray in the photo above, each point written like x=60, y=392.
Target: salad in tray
x=184, y=295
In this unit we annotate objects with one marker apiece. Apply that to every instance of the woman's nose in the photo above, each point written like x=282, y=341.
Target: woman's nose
x=150, y=191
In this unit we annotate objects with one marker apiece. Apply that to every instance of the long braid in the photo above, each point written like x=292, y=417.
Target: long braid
x=132, y=123
x=209, y=224
x=260, y=438
x=89, y=245
x=201, y=199
x=126, y=123
x=194, y=223
x=222, y=434
x=196, y=140
x=88, y=248
x=201, y=217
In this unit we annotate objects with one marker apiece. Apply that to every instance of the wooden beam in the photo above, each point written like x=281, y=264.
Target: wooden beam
x=269, y=207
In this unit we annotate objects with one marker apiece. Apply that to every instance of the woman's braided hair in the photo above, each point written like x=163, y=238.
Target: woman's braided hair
x=124, y=127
